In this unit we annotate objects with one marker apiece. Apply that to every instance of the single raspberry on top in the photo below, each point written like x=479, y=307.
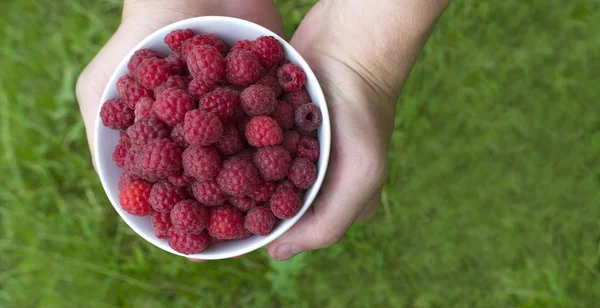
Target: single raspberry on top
x=291, y=77
x=158, y=159
x=176, y=38
x=221, y=102
x=143, y=108
x=174, y=81
x=116, y=114
x=284, y=115
x=148, y=128
x=208, y=193
x=134, y=198
x=273, y=162
x=308, y=148
x=260, y=220
x=272, y=83
x=161, y=222
x=202, y=127
x=308, y=117
x=242, y=67
x=296, y=98
x=303, y=172
x=225, y=223
x=257, y=100
x=189, y=216
x=269, y=50
x=188, y=243
x=285, y=203
x=262, y=131
x=201, y=162
x=237, y=177
x=131, y=91
x=139, y=56
x=152, y=72
x=165, y=195
x=172, y=105
x=206, y=63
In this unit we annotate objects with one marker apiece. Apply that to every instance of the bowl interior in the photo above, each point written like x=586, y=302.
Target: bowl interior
x=230, y=30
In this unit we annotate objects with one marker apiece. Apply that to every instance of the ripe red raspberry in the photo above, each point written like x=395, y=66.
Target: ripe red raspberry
x=203, y=39
x=161, y=222
x=158, y=159
x=129, y=165
x=263, y=191
x=291, y=77
x=303, y=172
x=165, y=195
x=208, y=193
x=187, y=243
x=152, y=72
x=230, y=143
x=308, y=117
x=285, y=203
x=131, y=91
x=174, y=81
x=273, y=162
x=296, y=98
x=291, y=139
x=260, y=220
x=202, y=127
x=287, y=184
x=225, y=223
x=143, y=108
x=221, y=102
x=206, y=63
x=134, y=198
x=244, y=234
x=178, y=135
x=201, y=162
x=257, y=100
x=146, y=129
x=262, y=131
x=199, y=87
x=236, y=90
x=243, y=204
x=121, y=150
x=116, y=114
x=237, y=177
x=189, y=216
x=243, y=67
x=124, y=180
x=311, y=134
x=308, y=148
x=271, y=83
x=176, y=38
x=242, y=44
x=177, y=63
x=139, y=56
x=284, y=115
x=269, y=50
x=180, y=179
x=247, y=155
x=172, y=105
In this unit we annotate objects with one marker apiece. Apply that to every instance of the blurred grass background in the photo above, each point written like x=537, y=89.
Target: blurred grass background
x=492, y=199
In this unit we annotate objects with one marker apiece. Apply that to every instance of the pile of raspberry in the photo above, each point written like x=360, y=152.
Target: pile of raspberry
x=216, y=143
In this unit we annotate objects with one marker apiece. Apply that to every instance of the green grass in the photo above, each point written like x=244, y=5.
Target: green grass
x=492, y=199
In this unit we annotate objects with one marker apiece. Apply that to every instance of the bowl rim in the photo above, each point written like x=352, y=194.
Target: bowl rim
x=324, y=138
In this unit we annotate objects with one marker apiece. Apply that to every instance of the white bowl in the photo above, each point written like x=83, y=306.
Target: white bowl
x=230, y=30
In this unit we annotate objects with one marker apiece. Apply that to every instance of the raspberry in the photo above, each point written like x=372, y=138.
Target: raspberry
x=308, y=117
x=291, y=139
x=287, y=184
x=180, y=179
x=202, y=127
x=176, y=38
x=158, y=159
x=201, y=162
x=178, y=135
x=121, y=150
x=189, y=216
x=260, y=220
x=148, y=128
x=208, y=193
x=271, y=83
x=243, y=204
x=311, y=134
x=139, y=56
x=221, y=102
x=238, y=177
x=203, y=39
x=308, y=148
x=262, y=131
x=152, y=72
x=243, y=67
x=284, y=115
x=291, y=77
x=161, y=222
x=129, y=165
x=236, y=90
x=165, y=195
x=257, y=100
x=240, y=122
x=116, y=114
x=206, y=63
x=263, y=191
x=199, y=87
x=131, y=91
x=303, y=172
x=273, y=162
x=269, y=50
x=285, y=203
x=247, y=155
x=296, y=98
x=244, y=234
x=172, y=105
x=143, y=108
x=134, y=198
x=230, y=143
x=174, y=81
x=124, y=180
x=243, y=45
x=225, y=223
x=187, y=243
x=177, y=63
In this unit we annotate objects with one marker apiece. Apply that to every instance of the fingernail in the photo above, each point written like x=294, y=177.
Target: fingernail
x=286, y=251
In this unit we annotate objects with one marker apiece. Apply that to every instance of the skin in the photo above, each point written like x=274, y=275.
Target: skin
x=361, y=67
